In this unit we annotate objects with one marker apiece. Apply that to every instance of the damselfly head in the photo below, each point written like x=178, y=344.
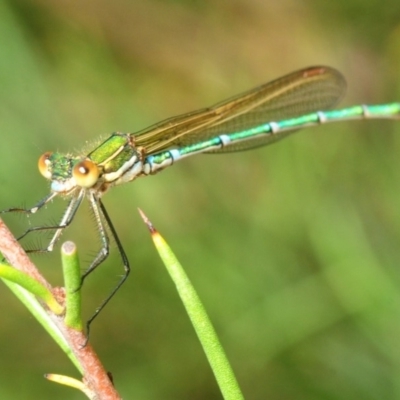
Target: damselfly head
x=66, y=173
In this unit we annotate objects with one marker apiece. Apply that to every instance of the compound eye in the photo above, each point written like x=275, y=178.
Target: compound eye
x=44, y=164
x=86, y=173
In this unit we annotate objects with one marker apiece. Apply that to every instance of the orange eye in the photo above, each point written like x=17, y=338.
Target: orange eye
x=86, y=173
x=44, y=164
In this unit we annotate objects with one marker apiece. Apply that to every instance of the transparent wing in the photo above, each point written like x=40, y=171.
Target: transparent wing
x=301, y=92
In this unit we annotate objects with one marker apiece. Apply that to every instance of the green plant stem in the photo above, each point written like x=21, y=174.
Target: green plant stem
x=205, y=331
x=72, y=282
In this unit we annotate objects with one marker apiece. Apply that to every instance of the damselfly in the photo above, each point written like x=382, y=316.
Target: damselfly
x=255, y=118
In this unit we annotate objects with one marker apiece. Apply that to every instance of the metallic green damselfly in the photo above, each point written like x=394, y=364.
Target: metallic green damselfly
x=255, y=118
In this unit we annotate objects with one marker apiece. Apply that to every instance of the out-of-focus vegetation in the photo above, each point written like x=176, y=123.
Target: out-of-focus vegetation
x=293, y=248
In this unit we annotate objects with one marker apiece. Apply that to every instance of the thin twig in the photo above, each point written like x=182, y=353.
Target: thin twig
x=16, y=256
x=95, y=376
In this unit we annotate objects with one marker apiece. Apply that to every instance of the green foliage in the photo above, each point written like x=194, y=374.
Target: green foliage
x=293, y=248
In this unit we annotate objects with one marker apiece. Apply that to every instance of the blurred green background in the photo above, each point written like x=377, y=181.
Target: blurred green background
x=293, y=248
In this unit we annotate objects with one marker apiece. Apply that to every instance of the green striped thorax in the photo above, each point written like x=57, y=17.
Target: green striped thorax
x=114, y=161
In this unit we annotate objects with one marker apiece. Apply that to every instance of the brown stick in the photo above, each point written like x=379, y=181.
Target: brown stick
x=95, y=376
